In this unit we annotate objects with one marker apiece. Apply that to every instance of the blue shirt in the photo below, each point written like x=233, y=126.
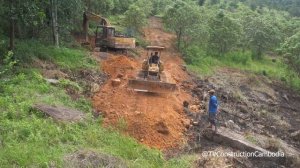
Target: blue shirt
x=213, y=104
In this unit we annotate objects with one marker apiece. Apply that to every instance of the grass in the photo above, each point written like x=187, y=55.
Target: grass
x=205, y=65
x=65, y=58
x=29, y=139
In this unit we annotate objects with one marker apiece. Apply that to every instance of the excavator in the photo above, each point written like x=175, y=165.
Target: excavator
x=106, y=35
x=152, y=78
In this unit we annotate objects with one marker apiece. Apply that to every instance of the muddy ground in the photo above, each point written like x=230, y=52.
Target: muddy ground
x=250, y=104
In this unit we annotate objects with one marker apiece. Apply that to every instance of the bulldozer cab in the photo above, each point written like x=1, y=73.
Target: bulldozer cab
x=154, y=54
x=151, y=78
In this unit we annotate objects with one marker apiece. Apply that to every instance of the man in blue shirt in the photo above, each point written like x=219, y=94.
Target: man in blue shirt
x=212, y=109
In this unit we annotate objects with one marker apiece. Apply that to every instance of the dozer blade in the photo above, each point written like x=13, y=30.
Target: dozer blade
x=151, y=86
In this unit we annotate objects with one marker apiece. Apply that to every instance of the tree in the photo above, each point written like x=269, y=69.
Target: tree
x=145, y=5
x=135, y=19
x=12, y=18
x=159, y=6
x=201, y=2
x=181, y=18
x=291, y=49
x=103, y=7
x=224, y=34
x=54, y=22
x=261, y=35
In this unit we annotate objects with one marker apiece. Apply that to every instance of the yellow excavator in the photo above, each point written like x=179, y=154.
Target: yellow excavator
x=106, y=35
x=152, y=78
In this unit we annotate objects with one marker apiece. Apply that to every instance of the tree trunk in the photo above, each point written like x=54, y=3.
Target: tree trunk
x=54, y=22
x=85, y=26
x=12, y=27
x=179, y=34
x=12, y=34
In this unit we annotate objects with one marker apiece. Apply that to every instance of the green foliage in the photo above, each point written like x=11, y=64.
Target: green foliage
x=160, y=6
x=291, y=49
x=136, y=16
x=27, y=51
x=224, y=33
x=182, y=17
x=261, y=35
x=103, y=7
x=135, y=19
x=7, y=64
x=203, y=64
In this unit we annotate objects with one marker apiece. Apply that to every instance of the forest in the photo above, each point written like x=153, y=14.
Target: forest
x=261, y=37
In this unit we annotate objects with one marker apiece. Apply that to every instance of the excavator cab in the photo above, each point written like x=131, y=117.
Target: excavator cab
x=103, y=32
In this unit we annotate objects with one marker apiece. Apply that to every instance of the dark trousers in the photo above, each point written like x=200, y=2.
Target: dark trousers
x=212, y=118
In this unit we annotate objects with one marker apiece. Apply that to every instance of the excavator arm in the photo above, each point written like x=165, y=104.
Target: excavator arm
x=96, y=18
x=89, y=16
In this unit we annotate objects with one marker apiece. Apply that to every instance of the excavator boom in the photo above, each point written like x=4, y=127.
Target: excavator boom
x=97, y=18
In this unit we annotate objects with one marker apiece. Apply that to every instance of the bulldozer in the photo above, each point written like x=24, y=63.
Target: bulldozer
x=106, y=35
x=152, y=78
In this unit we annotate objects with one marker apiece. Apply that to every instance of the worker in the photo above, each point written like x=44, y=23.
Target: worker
x=212, y=109
x=155, y=58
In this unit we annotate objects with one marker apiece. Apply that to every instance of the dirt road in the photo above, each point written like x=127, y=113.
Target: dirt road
x=154, y=120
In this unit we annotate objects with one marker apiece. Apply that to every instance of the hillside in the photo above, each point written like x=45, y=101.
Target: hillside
x=66, y=98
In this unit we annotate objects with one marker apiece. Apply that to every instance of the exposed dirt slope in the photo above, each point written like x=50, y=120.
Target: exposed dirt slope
x=155, y=120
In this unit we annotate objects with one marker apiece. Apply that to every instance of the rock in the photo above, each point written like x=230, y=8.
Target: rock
x=230, y=124
x=229, y=138
x=285, y=97
x=116, y=82
x=296, y=135
x=259, y=126
x=120, y=76
x=60, y=113
x=138, y=112
x=183, y=67
x=186, y=123
x=88, y=158
x=243, y=109
x=162, y=128
x=95, y=87
x=52, y=81
x=194, y=108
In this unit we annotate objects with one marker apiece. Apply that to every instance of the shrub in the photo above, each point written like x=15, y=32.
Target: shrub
x=239, y=57
x=7, y=64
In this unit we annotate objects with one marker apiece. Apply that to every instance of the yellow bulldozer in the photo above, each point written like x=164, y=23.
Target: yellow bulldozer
x=152, y=78
x=106, y=35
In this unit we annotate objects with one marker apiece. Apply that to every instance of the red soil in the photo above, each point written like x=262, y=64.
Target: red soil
x=153, y=119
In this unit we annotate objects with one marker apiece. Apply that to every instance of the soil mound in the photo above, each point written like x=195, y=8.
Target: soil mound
x=153, y=119
x=118, y=65
x=156, y=120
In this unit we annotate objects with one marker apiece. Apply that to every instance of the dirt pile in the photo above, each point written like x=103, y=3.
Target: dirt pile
x=118, y=66
x=155, y=120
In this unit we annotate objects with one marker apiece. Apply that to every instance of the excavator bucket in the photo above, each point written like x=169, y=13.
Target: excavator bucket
x=142, y=85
